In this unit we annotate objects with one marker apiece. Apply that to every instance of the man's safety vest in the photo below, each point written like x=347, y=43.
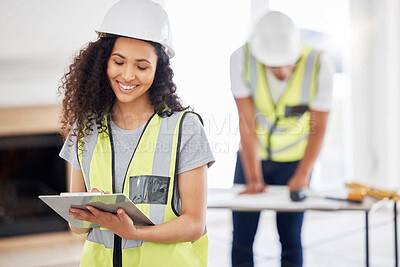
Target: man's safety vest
x=282, y=128
x=151, y=183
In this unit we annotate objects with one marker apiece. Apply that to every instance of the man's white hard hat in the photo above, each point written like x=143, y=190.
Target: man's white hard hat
x=276, y=41
x=139, y=19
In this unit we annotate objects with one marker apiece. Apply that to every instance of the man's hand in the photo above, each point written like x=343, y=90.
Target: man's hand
x=298, y=181
x=254, y=187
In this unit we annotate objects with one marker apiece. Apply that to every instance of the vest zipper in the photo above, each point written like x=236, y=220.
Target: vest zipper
x=271, y=131
x=117, y=252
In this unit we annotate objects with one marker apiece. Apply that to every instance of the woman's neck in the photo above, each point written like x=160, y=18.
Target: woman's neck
x=129, y=117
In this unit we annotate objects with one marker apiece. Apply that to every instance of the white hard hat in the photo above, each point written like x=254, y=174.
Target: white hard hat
x=139, y=19
x=276, y=41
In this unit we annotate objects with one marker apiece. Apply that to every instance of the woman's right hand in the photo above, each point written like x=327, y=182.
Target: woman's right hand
x=100, y=191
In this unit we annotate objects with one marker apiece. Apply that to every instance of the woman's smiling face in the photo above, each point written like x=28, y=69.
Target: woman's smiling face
x=131, y=69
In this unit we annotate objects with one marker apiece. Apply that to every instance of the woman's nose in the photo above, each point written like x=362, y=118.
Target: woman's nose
x=129, y=73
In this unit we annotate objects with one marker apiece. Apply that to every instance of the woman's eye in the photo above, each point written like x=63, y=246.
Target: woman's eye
x=142, y=68
x=118, y=63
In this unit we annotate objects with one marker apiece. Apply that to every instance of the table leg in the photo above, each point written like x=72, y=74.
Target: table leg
x=395, y=235
x=366, y=239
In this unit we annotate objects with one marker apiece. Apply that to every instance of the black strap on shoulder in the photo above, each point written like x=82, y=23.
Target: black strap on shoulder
x=197, y=114
x=175, y=194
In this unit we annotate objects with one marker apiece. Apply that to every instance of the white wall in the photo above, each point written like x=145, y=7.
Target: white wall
x=205, y=35
x=376, y=86
x=37, y=40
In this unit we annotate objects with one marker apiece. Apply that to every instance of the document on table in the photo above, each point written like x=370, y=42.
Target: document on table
x=275, y=198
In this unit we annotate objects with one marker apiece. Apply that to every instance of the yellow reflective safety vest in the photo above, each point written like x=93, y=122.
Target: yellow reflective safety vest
x=282, y=128
x=151, y=183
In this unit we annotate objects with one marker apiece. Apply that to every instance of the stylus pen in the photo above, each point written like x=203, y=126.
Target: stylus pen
x=345, y=199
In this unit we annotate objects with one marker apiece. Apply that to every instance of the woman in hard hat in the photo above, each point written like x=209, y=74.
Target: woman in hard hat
x=283, y=91
x=128, y=133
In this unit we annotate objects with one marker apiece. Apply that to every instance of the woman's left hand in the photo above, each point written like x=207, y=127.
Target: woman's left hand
x=120, y=223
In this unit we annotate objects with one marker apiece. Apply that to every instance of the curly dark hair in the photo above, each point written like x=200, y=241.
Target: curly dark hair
x=88, y=95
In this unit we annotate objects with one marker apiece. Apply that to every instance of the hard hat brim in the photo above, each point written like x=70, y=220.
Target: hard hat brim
x=168, y=49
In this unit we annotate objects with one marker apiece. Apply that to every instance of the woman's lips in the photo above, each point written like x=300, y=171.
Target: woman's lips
x=126, y=87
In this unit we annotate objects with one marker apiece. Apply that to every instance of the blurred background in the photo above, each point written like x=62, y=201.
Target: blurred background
x=38, y=40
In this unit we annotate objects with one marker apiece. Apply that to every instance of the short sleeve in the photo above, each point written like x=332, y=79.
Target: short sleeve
x=68, y=152
x=323, y=96
x=238, y=87
x=194, y=150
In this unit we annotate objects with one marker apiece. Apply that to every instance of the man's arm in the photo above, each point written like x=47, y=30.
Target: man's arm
x=249, y=146
x=301, y=177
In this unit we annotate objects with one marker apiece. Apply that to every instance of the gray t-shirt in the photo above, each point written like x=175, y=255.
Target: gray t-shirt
x=194, y=150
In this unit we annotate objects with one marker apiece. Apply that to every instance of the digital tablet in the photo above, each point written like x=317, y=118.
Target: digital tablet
x=104, y=202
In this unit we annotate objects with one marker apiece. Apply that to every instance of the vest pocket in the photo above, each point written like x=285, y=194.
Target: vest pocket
x=295, y=111
x=149, y=189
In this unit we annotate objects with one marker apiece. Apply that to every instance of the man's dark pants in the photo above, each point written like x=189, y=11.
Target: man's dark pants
x=288, y=223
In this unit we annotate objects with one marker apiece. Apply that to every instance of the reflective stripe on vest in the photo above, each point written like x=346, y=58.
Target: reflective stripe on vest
x=150, y=182
x=282, y=128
